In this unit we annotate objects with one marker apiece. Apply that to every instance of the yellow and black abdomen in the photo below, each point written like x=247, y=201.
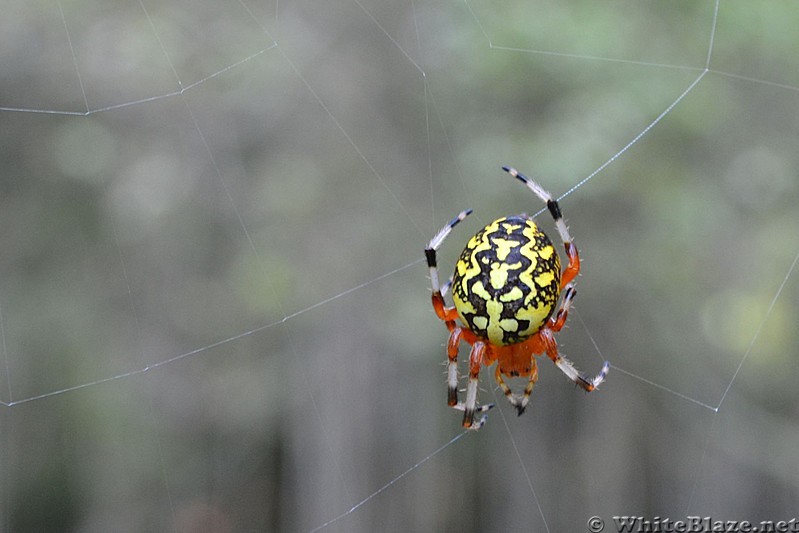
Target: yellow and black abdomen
x=507, y=281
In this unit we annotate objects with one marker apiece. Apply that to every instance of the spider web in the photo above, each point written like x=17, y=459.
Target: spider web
x=213, y=306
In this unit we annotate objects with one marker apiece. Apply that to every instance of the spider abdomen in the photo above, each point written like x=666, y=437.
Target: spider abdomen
x=507, y=281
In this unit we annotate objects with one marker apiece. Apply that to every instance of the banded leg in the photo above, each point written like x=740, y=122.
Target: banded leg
x=573, y=268
x=452, y=366
x=470, y=407
x=446, y=287
x=447, y=314
x=567, y=367
x=556, y=322
x=567, y=284
x=519, y=403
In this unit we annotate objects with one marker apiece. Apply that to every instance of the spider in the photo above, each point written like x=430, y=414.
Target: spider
x=506, y=286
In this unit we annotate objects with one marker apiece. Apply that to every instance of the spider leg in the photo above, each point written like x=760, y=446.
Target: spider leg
x=453, y=344
x=480, y=422
x=452, y=366
x=475, y=360
x=447, y=314
x=567, y=367
x=519, y=403
x=470, y=407
x=556, y=323
x=446, y=287
x=573, y=268
x=504, y=386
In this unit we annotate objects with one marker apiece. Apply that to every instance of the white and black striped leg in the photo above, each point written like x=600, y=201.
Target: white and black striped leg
x=446, y=287
x=435, y=244
x=583, y=380
x=586, y=382
x=470, y=407
x=552, y=204
x=556, y=322
x=469, y=421
x=573, y=268
x=567, y=367
x=452, y=366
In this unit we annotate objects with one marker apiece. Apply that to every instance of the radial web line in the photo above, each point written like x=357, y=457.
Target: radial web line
x=350, y=140
x=160, y=43
x=755, y=336
x=636, y=138
x=429, y=151
x=213, y=345
x=326, y=437
x=258, y=22
x=129, y=292
x=760, y=327
x=588, y=57
x=594, y=58
x=4, y=347
x=768, y=83
x=336, y=122
x=450, y=148
x=701, y=462
x=664, y=388
x=712, y=34
x=659, y=117
x=390, y=38
x=426, y=116
x=652, y=124
x=320, y=419
x=203, y=139
x=632, y=375
x=521, y=461
x=281, y=307
x=745, y=356
x=253, y=248
x=74, y=56
x=479, y=24
x=393, y=481
x=222, y=181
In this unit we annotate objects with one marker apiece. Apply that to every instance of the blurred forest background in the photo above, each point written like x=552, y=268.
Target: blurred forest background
x=214, y=307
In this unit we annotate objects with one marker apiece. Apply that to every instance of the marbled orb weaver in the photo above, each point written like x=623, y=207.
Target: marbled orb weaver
x=506, y=286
